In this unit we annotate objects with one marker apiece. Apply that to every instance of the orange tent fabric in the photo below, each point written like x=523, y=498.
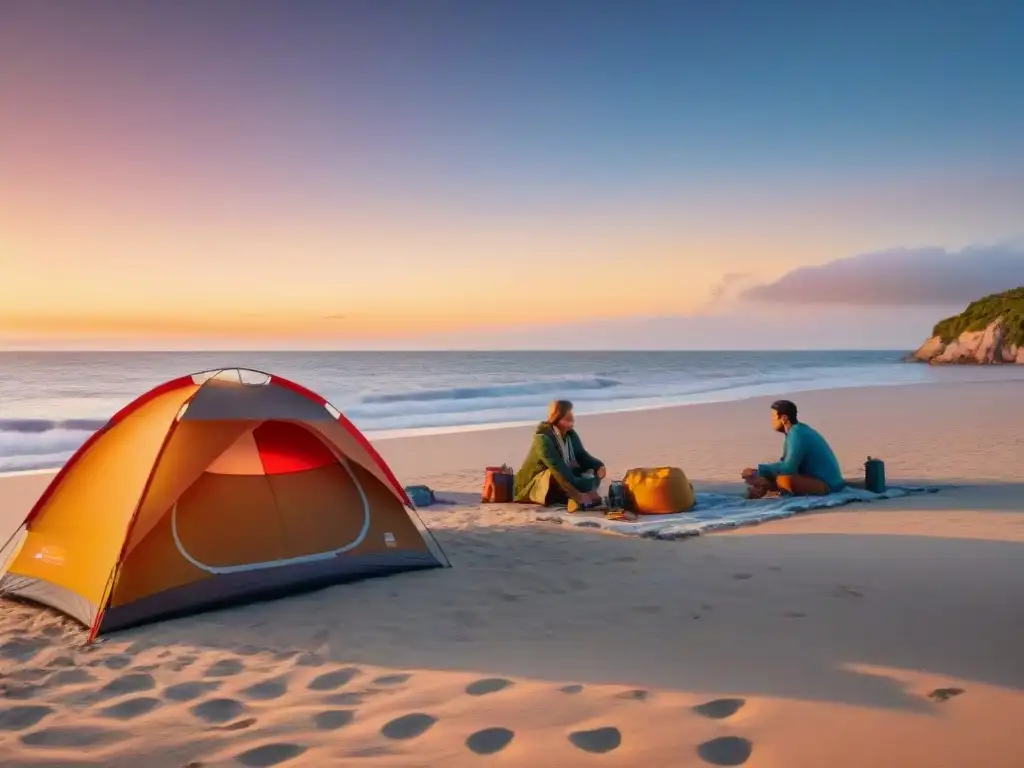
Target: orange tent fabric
x=210, y=490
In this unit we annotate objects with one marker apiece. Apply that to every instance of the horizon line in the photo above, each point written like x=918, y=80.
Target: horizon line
x=422, y=350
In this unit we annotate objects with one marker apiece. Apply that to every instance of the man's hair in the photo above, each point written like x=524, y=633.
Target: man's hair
x=785, y=408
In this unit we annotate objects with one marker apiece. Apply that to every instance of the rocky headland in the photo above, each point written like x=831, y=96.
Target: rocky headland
x=989, y=331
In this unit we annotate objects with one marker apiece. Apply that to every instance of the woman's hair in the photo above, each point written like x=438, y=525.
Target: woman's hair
x=558, y=411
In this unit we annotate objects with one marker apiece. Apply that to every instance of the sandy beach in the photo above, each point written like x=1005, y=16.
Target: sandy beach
x=884, y=634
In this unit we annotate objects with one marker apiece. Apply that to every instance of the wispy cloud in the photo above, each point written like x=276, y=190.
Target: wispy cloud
x=900, y=277
x=729, y=286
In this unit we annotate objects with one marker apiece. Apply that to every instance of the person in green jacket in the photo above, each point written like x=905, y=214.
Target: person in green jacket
x=808, y=467
x=558, y=468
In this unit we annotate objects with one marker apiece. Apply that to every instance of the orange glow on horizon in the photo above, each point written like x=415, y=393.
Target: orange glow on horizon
x=183, y=258
x=393, y=322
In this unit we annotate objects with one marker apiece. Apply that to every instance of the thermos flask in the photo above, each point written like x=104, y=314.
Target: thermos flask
x=874, y=475
x=616, y=495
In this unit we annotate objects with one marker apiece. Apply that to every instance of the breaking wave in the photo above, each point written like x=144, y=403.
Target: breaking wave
x=495, y=391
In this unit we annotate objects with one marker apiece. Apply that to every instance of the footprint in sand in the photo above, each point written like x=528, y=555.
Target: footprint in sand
x=62, y=661
x=719, y=709
x=132, y=708
x=487, y=685
x=408, y=726
x=218, y=711
x=328, y=681
x=597, y=741
x=742, y=576
x=22, y=692
x=309, y=660
x=795, y=615
x=29, y=674
x=726, y=750
x=392, y=679
x=190, y=690
x=225, y=668
x=22, y=649
x=571, y=689
x=269, y=755
x=133, y=682
x=71, y=737
x=20, y=718
x=70, y=677
x=182, y=663
x=637, y=694
x=120, y=661
x=268, y=689
x=944, y=694
x=489, y=741
x=333, y=719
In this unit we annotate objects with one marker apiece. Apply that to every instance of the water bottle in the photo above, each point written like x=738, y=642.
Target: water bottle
x=874, y=475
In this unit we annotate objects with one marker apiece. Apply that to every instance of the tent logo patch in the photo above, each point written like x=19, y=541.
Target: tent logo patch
x=50, y=555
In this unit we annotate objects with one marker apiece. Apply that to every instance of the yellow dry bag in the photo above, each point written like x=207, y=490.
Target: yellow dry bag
x=658, y=491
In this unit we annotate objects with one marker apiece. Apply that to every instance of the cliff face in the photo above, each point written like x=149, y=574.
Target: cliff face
x=986, y=346
x=990, y=330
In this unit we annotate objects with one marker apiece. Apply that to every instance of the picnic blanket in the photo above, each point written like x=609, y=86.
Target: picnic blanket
x=717, y=511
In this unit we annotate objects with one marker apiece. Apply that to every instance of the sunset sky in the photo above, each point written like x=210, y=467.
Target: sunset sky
x=410, y=174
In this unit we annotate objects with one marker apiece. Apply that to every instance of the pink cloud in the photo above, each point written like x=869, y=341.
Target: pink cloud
x=899, y=277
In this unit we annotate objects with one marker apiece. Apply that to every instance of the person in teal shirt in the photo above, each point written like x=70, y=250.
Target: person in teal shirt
x=808, y=467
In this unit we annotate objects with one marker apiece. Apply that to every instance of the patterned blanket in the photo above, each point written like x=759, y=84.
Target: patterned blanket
x=717, y=511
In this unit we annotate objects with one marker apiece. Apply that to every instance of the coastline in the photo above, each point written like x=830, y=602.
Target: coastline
x=730, y=395
x=874, y=634
x=703, y=398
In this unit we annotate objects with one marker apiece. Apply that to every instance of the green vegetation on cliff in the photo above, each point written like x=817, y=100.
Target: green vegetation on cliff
x=1009, y=305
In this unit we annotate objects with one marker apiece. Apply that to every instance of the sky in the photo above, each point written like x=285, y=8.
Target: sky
x=441, y=174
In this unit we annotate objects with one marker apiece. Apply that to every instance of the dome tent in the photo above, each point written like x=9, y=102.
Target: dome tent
x=210, y=490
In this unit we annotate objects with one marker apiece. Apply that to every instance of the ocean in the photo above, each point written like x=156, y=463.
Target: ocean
x=51, y=401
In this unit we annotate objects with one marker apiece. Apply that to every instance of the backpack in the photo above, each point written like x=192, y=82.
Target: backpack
x=498, y=488
x=420, y=495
